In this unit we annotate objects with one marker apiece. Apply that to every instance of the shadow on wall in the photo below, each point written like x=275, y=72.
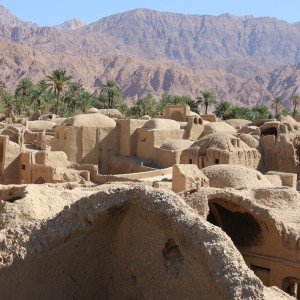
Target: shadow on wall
x=242, y=228
x=103, y=248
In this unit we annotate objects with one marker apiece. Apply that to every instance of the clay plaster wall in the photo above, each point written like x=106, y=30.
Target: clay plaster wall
x=31, y=171
x=128, y=136
x=9, y=153
x=249, y=158
x=166, y=158
x=194, y=128
x=147, y=140
x=88, y=145
x=268, y=247
x=127, y=245
x=177, y=112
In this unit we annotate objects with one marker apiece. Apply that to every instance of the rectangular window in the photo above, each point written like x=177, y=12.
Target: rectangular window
x=262, y=273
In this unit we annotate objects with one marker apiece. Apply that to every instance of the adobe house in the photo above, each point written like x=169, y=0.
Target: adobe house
x=220, y=148
x=279, y=143
x=179, y=113
x=130, y=239
x=21, y=165
x=154, y=140
x=88, y=139
x=261, y=219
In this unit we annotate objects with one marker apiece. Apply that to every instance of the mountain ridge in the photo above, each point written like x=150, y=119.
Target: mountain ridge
x=243, y=59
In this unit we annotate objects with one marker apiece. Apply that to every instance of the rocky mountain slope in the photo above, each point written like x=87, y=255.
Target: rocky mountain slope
x=71, y=24
x=243, y=59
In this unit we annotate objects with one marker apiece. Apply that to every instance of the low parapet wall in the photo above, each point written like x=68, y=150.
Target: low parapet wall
x=135, y=177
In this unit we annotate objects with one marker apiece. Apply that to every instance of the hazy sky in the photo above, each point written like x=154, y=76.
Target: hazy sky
x=44, y=12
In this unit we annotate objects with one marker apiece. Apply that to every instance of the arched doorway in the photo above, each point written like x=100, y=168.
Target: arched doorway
x=40, y=180
x=242, y=227
x=291, y=285
x=177, y=116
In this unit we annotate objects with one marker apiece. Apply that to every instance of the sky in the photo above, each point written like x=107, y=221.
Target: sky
x=53, y=12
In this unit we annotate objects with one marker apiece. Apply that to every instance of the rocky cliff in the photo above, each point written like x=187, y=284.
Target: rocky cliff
x=242, y=59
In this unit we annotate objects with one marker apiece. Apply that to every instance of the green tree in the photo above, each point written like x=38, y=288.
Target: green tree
x=84, y=100
x=176, y=100
x=144, y=106
x=277, y=105
x=207, y=98
x=22, y=92
x=75, y=89
x=8, y=103
x=110, y=95
x=37, y=95
x=224, y=110
x=2, y=87
x=259, y=112
x=58, y=81
x=238, y=112
x=24, y=87
x=296, y=102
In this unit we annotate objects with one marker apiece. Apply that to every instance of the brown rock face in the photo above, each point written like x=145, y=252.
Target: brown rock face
x=188, y=54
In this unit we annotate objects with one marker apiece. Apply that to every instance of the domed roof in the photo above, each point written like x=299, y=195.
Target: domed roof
x=92, y=110
x=237, y=123
x=222, y=141
x=218, y=127
x=250, y=140
x=178, y=144
x=163, y=124
x=236, y=176
x=90, y=120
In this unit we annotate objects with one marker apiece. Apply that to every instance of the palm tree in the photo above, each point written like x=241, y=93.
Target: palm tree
x=260, y=112
x=144, y=106
x=84, y=100
x=75, y=89
x=207, y=98
x=2, y=87
x=296, y=102
x=277, y=105
x=57, y=81
x=8, y=102
x=2, y=90
x=24, y=87
x=38, y=94
x=223, y=110
x=176, y=100
x=110, y=93
x=22, y=92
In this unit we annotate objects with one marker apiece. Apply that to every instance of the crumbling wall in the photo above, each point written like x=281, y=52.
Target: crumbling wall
x=120, y=244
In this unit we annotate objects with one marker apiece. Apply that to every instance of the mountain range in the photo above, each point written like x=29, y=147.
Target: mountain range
x=245, y=60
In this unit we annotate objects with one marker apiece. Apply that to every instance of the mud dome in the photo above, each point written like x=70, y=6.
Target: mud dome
x=118, y=243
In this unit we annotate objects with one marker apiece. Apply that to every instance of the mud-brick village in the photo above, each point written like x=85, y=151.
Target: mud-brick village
x=150, y=155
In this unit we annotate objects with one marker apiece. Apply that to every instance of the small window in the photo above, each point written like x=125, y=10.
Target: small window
x=216, y=161
x=23, y=167
x=143, y=140
x=190, y=161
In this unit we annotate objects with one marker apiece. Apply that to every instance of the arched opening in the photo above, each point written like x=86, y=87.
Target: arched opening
x=269, y=131
x=40, y=180
x=291, y=285
x=177, y=116
x=242, y=227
